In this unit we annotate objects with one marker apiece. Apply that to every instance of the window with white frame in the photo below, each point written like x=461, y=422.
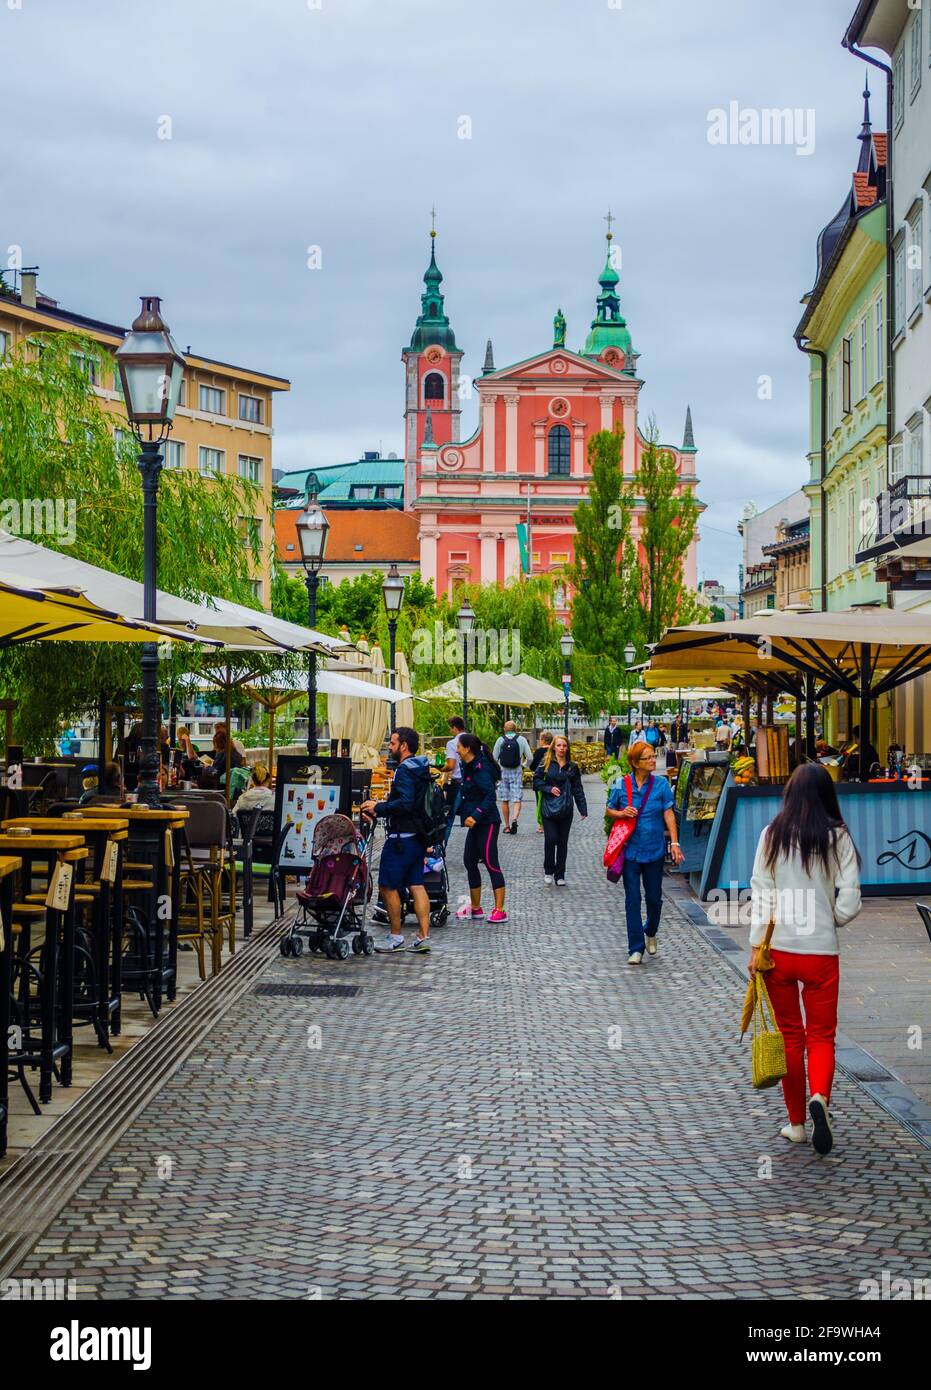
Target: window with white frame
x=250, y=409
x=913, y=449
x=864, y=357
x=915, y=66
x=895, y=460
x=250, y=529
x=846, y=372
x=174, y=453
x=88, y=365
x=913, y=257
x=851, y=525
x=898, y=89
x=250, y=468
x=831, y=420
x=212, y=400
x=879, y=340
x=5, y=340
x=210, y=461
x=898, y=319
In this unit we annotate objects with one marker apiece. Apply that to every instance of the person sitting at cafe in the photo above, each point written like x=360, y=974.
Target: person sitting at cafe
x=223, y=749
x=258, y=796
x=850, y=759
x=111, y=785
x=190, y=755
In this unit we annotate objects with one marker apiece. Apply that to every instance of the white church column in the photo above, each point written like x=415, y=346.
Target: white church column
x=511, y=557
x=489, y=560
x=605, y=402
x=510, y=433
x=427, y=536
x=628, y=462
x=578, y=449
x=488, y=432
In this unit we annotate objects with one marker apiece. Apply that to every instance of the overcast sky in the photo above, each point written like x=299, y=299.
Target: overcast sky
x=338, y=123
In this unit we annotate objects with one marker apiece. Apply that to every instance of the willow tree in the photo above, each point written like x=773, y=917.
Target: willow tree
x=59, y=449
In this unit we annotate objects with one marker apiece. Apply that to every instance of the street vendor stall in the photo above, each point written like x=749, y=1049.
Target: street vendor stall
x=863, y=653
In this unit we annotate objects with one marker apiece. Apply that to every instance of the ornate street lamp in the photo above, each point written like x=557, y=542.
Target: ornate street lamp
x=465, y=621
x=392, y=591
x=630, y=654
x=567, y=647
x=312, y=531
x=151, y=371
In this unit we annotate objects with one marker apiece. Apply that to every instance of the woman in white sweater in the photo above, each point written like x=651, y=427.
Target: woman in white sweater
x=806, y=879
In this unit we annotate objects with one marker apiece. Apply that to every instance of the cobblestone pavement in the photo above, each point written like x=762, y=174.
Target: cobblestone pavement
x=519, y=1114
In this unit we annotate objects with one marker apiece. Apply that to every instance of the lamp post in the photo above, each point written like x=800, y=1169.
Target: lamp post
x=630, y=652
x=312, y=531
x=151, y=370
x=465, y=621
x=392, y=591
x=566, y=646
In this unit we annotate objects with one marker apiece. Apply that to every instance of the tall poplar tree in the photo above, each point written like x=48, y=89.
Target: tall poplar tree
x=670, y=516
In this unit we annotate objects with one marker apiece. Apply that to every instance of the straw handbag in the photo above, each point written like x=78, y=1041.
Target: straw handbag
x=768, y=1049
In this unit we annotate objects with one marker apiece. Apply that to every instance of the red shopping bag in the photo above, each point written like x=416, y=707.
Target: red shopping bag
x=621, y=832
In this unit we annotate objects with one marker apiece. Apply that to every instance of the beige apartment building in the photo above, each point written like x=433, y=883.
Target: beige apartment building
x=224, y=421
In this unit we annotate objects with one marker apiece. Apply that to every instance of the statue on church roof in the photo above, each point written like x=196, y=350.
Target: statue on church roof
x=559, y=329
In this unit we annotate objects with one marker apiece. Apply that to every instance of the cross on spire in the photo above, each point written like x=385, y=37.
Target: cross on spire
x=433, y=222
x=610, y=219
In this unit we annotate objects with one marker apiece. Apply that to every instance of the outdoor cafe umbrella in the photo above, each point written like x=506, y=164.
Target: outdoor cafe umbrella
x=66, y=614
x=863, y=652
x=404, y=709
x=500, y=688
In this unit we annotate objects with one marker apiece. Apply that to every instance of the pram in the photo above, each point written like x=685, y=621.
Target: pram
x=436, y=882
x=334, y=899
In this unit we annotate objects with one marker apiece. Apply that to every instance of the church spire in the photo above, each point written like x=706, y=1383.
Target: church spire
x=489, y=359
x=688, y=439
x=866, y=132
x=609, y=327
x=433, y=322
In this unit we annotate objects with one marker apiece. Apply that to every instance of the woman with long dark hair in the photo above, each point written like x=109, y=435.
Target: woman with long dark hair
x=806, y=879
x=559, y=782
x=478, y=811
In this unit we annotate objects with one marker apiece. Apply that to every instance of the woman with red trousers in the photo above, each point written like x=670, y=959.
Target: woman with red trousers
x=806, y=879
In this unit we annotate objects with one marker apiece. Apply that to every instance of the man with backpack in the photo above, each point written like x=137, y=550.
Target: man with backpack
x=511, y=753
x=415, y=816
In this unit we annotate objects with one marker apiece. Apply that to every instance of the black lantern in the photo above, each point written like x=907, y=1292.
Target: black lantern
x=151, y=371
x=312, y=531
x=392, y=591
x=465, y=621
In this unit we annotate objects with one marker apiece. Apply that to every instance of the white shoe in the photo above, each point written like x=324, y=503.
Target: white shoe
x=547, y=878
x=822, y=1138
x=651, y=945
x=560, y=883
x=634, y=958
x=389, y=943
x=794, y=1133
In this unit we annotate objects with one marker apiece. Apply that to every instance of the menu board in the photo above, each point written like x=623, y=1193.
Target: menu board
x=306, y=791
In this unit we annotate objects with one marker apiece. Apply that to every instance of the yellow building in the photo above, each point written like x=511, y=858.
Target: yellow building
x=224, y=420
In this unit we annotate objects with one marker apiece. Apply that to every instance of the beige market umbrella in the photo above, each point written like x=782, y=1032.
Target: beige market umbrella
x=403, y=712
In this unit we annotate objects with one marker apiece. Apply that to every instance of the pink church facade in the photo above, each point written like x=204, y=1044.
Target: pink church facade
x=528, y=455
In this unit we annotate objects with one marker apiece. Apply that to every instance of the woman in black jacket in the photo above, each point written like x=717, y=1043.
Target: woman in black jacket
x=478, y=811
x=559, y=782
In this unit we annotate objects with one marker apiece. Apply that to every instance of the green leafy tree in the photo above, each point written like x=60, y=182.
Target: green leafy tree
x=57, y=444
x=670, y=516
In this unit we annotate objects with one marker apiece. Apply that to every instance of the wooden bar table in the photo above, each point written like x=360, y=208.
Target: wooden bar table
x=156, y=835
x=9, y=865
x=56, y=1041
x=108, y=908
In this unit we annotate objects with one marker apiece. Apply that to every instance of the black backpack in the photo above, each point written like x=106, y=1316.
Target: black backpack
x=430, y=811
x=510, y=752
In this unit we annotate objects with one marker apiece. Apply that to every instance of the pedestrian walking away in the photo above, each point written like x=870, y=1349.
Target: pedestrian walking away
x=647, y=799
x=613, y=737
x=806, y=880
x=546, y=739
x=479, y=813
x=402, y=858
x=512, y=754
x=453, y=771
x=559, y=782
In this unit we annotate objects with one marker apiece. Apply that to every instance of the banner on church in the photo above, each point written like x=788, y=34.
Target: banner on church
x=522, y=539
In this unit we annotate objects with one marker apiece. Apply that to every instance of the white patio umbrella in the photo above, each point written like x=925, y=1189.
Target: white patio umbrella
x=404, y=709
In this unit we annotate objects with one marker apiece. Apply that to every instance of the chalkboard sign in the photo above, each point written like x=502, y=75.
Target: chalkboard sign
x=307, y=790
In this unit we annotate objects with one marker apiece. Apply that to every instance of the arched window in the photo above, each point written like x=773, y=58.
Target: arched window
x=434, y=388
x=557, y=451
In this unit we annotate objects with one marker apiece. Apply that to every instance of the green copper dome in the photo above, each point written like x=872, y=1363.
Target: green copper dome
x=609, y=327
x=432, y=323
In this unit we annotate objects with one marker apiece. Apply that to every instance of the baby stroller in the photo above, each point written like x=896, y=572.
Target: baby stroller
x=436, y=882
x=334, y=899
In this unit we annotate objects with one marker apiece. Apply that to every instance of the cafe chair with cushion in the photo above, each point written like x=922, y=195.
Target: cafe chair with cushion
x=208, y=880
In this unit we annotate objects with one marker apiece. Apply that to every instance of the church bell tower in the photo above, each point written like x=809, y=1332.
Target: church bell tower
x=431, y=377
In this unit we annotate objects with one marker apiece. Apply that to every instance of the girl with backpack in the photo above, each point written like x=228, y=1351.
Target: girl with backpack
x=559, y=782
x=478, y=812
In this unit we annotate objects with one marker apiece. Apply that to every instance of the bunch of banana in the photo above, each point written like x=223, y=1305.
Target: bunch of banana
x=743, y=768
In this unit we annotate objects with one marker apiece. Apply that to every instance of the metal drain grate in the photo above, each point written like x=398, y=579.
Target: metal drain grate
x=307, y=991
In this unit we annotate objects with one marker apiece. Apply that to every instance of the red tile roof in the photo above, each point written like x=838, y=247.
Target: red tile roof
x=384, y=534
x=880, y=145
x=864, y=195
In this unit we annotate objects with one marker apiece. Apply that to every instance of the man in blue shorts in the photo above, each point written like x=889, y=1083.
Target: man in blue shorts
x=401, y=863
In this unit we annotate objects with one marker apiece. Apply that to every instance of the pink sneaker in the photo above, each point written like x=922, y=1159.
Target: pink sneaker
x=470, y=914
x=498, y=916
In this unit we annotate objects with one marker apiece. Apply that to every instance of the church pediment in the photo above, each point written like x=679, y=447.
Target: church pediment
x=559, y=364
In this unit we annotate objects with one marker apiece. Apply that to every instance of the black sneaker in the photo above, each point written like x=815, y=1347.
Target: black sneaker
x=822, y=1139
x=513, y=829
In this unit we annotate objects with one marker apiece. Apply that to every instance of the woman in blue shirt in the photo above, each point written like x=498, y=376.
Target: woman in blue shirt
x=651, y=807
